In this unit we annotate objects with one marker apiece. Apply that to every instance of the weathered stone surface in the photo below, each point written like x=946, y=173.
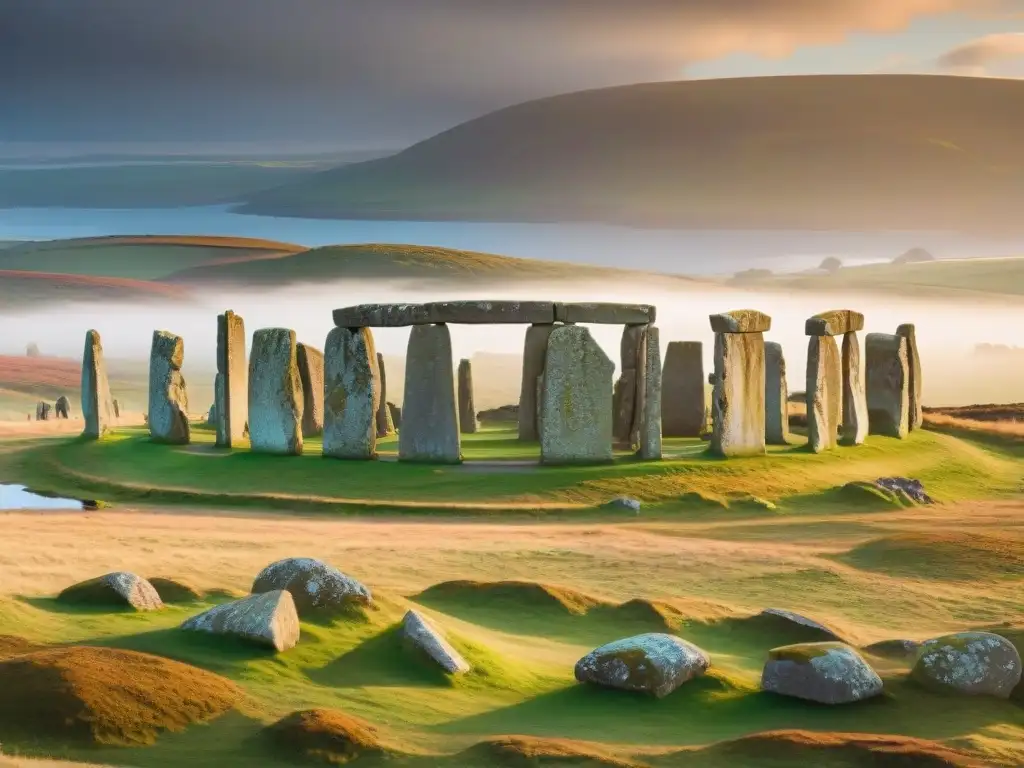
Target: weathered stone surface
x=422, y=635
x=316, y=587
x=42, y=411
x=275, y=393
x=352, y=401
x=97, y=409
x=854, y=429
x=827, y=673
x=741, y=321
x=311, y=373
x=624, y=404
x=776, y=395
x=381, y=316
x=894, y=649
x=630, y=391
x=835, y=322
x=396, y=415
x=626, y=503
x=168, y=394
x=576, y=399
x=120, y=588
x=62, y=407
x=737, y=400
x=467, y=406
x=535, y=350
x=490, y=312
x=916, y=417
x=779, y=615
x=905, y=487
x=267, y=619
x=117, y=409
x=824, y=393
x=605, y=313
x=231, y=395
x=969, y=663
x=650, y=419
x=651, y=663
x=385, y=424
x=430, y=416
x=683, y=394
x=888, y=384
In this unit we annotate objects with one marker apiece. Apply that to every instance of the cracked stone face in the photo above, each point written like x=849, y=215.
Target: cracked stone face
x=970, y=663
x=653, y=663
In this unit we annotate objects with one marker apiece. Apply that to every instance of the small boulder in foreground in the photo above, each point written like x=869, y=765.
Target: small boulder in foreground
x=268, y=619
x=421, y=634
x=119, y=589
x=827, y=673
x=653, y=663
x=317, y=588
x=969, y=663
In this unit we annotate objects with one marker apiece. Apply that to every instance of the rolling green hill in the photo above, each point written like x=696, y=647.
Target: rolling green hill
x=843, y=151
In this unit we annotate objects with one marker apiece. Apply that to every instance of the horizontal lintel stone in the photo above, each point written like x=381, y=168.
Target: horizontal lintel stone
x=490, y=312
x=835, y=322
x=605, y=313
x=741, y=321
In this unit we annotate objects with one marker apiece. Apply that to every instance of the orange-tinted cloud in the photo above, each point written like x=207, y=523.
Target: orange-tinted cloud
x=980, y=55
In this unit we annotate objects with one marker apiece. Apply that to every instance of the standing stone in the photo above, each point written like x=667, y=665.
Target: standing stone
x=42, y=411
x=683, y=393
x=97, y=409
x=888, y=384
x=168, y=395
x=908, y=331
x=650, y=428
x=311, y=373
x=62, y=407
x=275, y=393
x=117, y=409
x=824, y=393
x=630, y=388
x=395, y=413
x=385, y=424
x=430, y=416
x=467, y=407
x=776, y=395
x=351, y=394
x=737, y=401
x=534, y=353
x=231, y=396
x=576, y=401
x=855, y=399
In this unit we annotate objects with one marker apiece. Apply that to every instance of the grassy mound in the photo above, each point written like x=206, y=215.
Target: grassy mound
x=175, y=591
x=529, y=751
x=511, y=595
x=945, y=556
x=768, y=631
x=106, y=696
x=325, y=735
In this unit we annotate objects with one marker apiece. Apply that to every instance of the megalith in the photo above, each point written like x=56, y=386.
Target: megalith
x=737, y=400
x=430, y=415
x=42, y=411
x=847, y=401
x=576, y=399
x=888, y=384
x=854, y=429
x=351, y=394
x=168, y=394
x=385, y=424
x=97, y=408
x=275, y=393
x=683, y=390
x=230, y=392
x=909, y=332
x=776, y=395
x=534, y=353
x=630, y=388
x=467, y=407
x=311, y=374
x=62, y=407
x=650, y=426
x=824, y=393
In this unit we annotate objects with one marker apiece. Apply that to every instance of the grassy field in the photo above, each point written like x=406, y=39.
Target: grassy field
x=526, y=574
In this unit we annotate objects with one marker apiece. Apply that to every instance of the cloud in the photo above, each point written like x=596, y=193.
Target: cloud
x=983, y=55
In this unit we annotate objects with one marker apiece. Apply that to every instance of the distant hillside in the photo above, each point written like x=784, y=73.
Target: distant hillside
x=839, y=151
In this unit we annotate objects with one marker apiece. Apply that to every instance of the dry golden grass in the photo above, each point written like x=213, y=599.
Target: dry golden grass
x=942, y=422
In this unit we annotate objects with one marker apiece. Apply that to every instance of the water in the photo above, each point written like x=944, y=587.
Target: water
x=696, y=252
x=19, y=497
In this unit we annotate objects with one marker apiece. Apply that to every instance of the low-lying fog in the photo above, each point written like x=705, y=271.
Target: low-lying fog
x=947, y=331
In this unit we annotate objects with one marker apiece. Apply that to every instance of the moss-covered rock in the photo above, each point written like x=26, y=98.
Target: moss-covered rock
x=268, y=619
x=653, y=663
x=119, y=589
x=970, y=663
x=315, y=586
x=827, y=673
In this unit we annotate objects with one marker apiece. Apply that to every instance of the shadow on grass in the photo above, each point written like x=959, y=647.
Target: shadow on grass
x=383, y=661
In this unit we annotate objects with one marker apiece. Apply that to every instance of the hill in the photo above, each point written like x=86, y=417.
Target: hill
x=802, y=152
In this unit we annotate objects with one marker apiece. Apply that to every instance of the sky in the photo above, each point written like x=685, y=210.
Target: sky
x=363, y=74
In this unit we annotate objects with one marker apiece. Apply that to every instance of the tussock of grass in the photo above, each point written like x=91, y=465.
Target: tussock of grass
x=325, y=735
x=175, y=591
x=513, y=594
x=528, y=751
x=950, y=556
x=106, y=696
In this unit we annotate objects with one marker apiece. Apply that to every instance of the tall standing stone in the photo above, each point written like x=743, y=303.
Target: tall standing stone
x=467, y=406
x=168, y=394
x=737, y=401
x=888, y=384
x=854, y=429
x=683, y=391
x=650, y=427
x=534, y=352
x=630, y=388
x=230, y=391
x=824, y=393
x=351, y=395
x=385, y=424
x=97, y=408
x=845, y=405
x=776, y=395
x=275, y=393
x=430, y=416
x=909, y=332
x=311, y=374
x=576, y=399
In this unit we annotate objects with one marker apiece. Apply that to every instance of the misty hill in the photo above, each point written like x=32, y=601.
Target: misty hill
x=829, y=151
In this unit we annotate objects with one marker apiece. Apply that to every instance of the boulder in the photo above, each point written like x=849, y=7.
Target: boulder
x=231, y=395
x=97, y=409
x=420, y=633
x=430, y=416
x=836, y=322
x=121, y=588
x=535, y=350
x=467, y=408
x=352, y=401
x=827, y=673
x=969, y=663
x=607, y=313
x=824, y=393
x=311, y=373
x=916, y=417
x=854, y=428
x=650, y=414
x=576, y=399
x=268, y=619
x=317, y=588
x=275, y=393
x=625, y=503
x=385, y=423
x=905, y=486
x=888, y=384
x=62, y=407
x=741, y=321
x=776, y=395
x=651, y=663
x=737, y=401
x=168, y=394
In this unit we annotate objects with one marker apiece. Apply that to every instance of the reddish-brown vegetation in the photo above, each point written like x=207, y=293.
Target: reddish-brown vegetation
x=23, y=372
x=325, y=734
x=83, y=287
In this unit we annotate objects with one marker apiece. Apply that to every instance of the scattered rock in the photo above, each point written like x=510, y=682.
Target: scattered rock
x=913, y=489
x=317, y=588
x=827, y=673
x=168, y=394
x=421, y=634
x=325, y=735
x=652, y=663
x=268, y=619
x=626, y=503
x=970, y=663
x=121, y=588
